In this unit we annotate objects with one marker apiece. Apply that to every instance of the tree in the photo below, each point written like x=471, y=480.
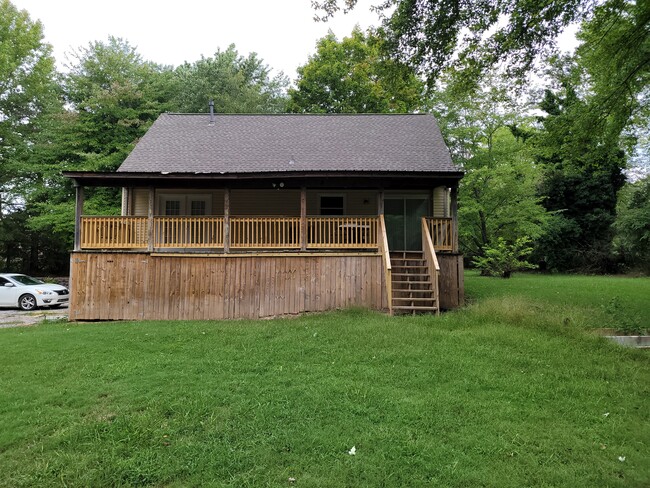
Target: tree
x=116, y=96
x=487, y=135
x=427, y=33
x=615, y=53
x=235, y=83
x=112, y=97
x=633, y=224
x=354, y=76
x=583, y=171
x=27, y=92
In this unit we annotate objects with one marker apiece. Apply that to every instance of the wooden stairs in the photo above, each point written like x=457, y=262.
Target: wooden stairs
x=413, y=290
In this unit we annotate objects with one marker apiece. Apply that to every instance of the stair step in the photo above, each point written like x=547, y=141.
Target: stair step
x=414, y=307
x=401, y=291
x=413, y=299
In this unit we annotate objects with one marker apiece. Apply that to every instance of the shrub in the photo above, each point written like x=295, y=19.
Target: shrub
x=502, y=258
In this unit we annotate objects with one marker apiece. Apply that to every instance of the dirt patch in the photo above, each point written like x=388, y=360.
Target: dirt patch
x=17, y=318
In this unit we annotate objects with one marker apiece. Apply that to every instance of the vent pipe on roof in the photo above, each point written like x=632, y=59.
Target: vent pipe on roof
x=211, y=104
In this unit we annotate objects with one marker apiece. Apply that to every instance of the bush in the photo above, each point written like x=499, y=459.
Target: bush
x=502, y=259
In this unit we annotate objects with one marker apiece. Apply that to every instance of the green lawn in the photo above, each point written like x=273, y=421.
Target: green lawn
x=506, y=393
x=597, y=301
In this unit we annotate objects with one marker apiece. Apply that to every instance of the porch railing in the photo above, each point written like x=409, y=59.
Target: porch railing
x=209, y=232
x=442, y=231
x=341, y=232
x=113, y=232
x=265, y=232
x=187, y=232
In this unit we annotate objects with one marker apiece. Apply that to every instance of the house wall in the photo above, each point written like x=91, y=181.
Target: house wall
x=131, y=286
x=287, y=202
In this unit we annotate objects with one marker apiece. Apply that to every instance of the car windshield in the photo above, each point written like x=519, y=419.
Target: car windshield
x=26, y=280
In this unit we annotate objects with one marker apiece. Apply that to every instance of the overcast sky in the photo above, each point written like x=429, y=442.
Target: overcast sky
x=282, y=32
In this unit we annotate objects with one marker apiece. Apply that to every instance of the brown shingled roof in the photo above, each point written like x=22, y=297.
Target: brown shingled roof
x=188, y=143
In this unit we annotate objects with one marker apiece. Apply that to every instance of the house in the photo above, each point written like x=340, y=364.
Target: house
x=231, y=216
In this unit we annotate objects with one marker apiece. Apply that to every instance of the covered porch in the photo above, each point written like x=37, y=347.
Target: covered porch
x=254, y=247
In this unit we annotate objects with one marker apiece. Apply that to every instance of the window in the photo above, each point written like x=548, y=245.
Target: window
x=172, y=207
x=332, y=205
x=174, y=204
x=197, y=207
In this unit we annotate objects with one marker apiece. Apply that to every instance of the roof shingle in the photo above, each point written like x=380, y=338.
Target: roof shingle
x=188, y=143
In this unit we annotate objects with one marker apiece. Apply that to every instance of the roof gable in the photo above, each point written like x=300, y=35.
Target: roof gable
x=189, y=143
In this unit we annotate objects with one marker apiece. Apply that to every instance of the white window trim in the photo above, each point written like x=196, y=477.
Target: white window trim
x=185, y=199
x=338, y=195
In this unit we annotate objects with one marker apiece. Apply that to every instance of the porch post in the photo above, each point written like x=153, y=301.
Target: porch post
x=150, y=212
x=78, y=212
x=454, y=218
x=303, y=218
x=380, y=202
x=226, y=220
x=125, y=201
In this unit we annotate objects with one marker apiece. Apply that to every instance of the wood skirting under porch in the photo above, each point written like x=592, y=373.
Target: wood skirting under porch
x=137, y=286
x=143, y=286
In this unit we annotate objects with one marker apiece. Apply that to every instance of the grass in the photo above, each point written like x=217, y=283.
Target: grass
x=616, y=302
x=502, y=394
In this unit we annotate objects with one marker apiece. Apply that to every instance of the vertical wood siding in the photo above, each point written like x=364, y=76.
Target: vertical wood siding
x=451, y=281
x=132, y=286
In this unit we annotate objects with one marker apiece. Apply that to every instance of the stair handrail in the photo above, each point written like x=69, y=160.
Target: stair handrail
x=385, y=253
x=431, y=260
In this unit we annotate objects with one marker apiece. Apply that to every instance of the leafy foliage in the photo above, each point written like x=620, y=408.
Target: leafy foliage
x=487, y=135
x=583, y=172
x=354, y=76
x=427, y=33
x=502, y=258
x=237, y=84
x=27, y=93
x=633, y=223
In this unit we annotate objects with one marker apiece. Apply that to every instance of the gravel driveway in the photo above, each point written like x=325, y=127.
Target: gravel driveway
x=11, y=317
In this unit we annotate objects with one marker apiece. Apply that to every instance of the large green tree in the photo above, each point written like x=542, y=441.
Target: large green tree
x=354, y=75
x=27, y=92
x=427, y=33
x=112, y=97
x=583, y=165
x=633, y=224
x=236, y=84
x=487, y=135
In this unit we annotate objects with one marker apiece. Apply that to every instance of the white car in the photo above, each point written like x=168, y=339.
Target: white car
x=27, y=293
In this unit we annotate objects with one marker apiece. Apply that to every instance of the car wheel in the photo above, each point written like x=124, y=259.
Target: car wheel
x=27, y=302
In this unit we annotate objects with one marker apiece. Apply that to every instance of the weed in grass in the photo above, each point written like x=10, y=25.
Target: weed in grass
x=627, y=323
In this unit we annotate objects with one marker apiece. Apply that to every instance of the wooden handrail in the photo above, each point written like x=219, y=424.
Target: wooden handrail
x=188, y=232
x=382, y=240
x=431, y=260
x=346, y=232
x=265, y=232
x=209, y=232
x=116, y=232
x=441, y=231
